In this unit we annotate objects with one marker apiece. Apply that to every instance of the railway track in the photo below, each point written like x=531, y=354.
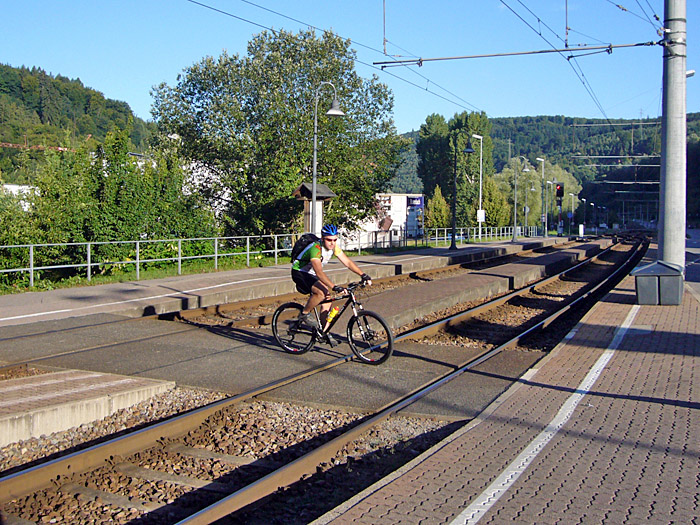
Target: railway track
x=169, y=473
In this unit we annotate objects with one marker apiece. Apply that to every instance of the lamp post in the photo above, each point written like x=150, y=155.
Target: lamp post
x=335, y=111
x=515, y=195
x=481, y=169
x=595, y=231
x=544, y=202
x=467, y=149
x=584, y=215
x=571, y=219
x=527, y=210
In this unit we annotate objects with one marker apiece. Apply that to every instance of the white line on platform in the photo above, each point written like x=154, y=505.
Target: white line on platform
x=487, y=499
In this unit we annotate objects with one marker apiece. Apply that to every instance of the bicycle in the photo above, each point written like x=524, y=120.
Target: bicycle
x=368, y=334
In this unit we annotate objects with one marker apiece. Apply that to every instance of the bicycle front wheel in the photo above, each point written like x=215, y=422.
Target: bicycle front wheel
x=370, y=337
x=291, y=335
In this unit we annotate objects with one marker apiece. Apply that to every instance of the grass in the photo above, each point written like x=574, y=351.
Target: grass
x=119, y=273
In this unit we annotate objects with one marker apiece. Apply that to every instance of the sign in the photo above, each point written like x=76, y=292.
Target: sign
x=480, y=215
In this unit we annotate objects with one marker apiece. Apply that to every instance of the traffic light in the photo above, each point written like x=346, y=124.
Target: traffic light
x=560, y=193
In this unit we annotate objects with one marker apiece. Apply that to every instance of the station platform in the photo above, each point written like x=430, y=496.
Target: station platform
x=602, y=430
x=183, y=292
x=55, y=401
x=85, y=392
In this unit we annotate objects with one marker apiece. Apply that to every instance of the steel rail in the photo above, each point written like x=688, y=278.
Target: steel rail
x=435, y=327
x=307, y=464
x=47, y=474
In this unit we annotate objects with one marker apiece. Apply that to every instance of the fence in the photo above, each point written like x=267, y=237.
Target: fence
x=90, y=255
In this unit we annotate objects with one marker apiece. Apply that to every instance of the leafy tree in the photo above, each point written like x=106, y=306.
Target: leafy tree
x=437, y=211
x=434, y=168
x=249, y=120
x=498, y=211
x=441, y=148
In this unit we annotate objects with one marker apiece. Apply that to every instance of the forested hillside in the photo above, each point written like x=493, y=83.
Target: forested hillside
x=565, y=141
x=39, y=110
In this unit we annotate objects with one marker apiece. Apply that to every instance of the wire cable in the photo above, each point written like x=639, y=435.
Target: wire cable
x=354, y=42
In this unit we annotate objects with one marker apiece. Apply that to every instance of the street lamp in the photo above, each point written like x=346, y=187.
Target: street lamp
x=595, y=231
x=584, y=215
x=467, y=149
x=335, y=111
x=527, y=210
x=571, y=219
x=481, y=166
x=515, y=195
x=544, y=202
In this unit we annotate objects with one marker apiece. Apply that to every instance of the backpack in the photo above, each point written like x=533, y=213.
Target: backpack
x=302, y=243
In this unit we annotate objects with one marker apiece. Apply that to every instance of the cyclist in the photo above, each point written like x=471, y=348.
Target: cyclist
x=308, y=274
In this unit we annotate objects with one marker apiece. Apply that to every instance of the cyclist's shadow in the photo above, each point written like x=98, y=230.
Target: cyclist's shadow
x=258, y=338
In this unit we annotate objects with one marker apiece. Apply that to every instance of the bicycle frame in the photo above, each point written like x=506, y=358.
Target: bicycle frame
x=351, y=301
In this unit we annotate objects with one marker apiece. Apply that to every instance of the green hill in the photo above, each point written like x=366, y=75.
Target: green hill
x=39, y=110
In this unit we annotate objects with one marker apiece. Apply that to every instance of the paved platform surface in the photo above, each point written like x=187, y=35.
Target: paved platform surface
x=156, y=296
x=89, y=389
x=603, y=430
x=55, y=401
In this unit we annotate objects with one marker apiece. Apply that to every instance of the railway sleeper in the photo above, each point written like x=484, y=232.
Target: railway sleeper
x=203, y=453
x=81, y=491
x=146, y=474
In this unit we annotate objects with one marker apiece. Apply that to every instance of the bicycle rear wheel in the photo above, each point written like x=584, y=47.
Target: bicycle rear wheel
x=291, y=335
x=370, y=337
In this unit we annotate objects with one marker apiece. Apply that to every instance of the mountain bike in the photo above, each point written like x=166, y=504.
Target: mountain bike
x=368, y=334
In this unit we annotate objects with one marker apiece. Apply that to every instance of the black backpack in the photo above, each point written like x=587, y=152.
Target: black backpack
x=302, y=243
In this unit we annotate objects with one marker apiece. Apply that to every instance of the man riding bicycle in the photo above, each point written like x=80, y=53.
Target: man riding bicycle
x=308, y=274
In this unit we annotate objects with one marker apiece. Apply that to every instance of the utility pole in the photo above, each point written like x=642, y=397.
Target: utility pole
x=673, y=136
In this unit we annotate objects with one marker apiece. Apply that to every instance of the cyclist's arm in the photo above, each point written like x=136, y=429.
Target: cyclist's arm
x=348, y=262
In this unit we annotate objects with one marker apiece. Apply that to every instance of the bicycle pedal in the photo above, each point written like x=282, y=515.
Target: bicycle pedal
x=332, y=340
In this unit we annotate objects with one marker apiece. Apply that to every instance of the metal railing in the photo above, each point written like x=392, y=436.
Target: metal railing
x=99, y=255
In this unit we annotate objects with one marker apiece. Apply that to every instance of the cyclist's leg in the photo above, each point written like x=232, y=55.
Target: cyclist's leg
x=306, y=283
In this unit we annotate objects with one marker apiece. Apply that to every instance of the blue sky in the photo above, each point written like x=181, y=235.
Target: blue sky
x=124, y=48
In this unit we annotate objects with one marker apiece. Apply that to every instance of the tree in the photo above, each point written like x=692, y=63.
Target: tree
x=437, y=211
x=498, y=211
x=249, y=120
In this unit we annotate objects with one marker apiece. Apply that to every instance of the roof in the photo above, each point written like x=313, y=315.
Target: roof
x=304, y=192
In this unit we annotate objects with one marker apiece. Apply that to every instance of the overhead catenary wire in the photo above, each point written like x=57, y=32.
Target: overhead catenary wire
x=226, y=13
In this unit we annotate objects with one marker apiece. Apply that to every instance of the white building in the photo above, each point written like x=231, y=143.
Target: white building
x=20, y=191
x=399, y=218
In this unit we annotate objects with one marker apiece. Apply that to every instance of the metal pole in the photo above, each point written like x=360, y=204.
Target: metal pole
x=515, y=202
x=672, y=227
x=313, y=180
x=544, y=202
x=453, y=245
x=572, y=213
x=334, y=111
x=481, y=170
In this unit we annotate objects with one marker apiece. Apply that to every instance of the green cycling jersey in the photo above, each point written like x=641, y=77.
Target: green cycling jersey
x=314, y=251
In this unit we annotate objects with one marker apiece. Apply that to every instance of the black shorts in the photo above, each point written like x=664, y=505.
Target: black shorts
x=304, y=281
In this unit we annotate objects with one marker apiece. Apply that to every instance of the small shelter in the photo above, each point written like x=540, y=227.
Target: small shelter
x=304, y=193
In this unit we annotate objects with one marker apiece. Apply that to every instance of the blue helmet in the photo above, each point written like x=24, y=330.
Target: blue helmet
x=328, y=230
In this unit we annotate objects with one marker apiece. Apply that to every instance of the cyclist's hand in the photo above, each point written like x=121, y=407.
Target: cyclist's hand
x=366, y=279
x=338, y=289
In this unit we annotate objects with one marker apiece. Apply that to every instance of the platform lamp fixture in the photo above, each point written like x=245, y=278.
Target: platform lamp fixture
x=544, y=202
x=571, y=219
x=468, y=149
x=515, y=194
x=584, y=214
x=335, y=111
